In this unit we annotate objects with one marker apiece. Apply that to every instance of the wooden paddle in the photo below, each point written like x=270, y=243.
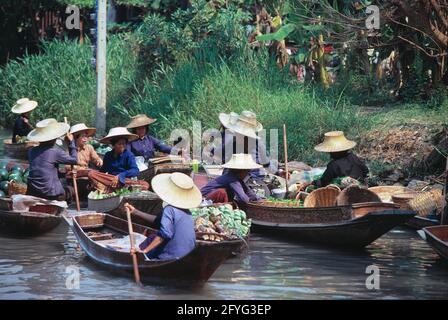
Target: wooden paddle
x=75, y=183
x=285, y=146
x=131, y=238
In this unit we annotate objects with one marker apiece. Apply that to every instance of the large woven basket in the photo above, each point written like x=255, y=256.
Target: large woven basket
x=16, y=188
x=386, y=192
x=403, y=199
x=423, y=203
x=323, y=197
x=355, y=194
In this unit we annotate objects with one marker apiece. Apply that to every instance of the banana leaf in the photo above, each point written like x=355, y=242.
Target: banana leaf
x=280, y=35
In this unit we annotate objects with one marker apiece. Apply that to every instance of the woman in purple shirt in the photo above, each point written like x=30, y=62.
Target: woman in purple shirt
x=119, y=162
x=176, y=236
x=43, y=179
x=145, y=145
x=231, y=185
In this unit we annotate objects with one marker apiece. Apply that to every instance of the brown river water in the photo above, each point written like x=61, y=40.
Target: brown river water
x=39, y=268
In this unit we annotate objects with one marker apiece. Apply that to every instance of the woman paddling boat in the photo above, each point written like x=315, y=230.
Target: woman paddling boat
x=43, y=179
x=22, y=126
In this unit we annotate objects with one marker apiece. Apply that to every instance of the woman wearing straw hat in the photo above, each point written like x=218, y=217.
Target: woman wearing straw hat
x=343, y=162
x=22, y=126
x=239, y=134
x=86, y=153
x=231, y=185
x=119, y=161
x=145, y=145
x=176, y=236
x=43, y=179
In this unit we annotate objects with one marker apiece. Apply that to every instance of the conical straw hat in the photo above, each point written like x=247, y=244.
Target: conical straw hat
x=81, y=127
x=118, y=132
x=241, y=161
x=24, y=105
x=140, y=120
x=245, y=124
x=177, y=189
x=48, y=129
x=335, y=141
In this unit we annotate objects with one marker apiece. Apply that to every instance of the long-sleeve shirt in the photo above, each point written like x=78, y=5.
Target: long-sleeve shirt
x=44, y=163
x=146, y=146
x=347, y=166
x=236, y=188
x=86, y=156
x=123, y=165
x=21, y=128
x=177, y=231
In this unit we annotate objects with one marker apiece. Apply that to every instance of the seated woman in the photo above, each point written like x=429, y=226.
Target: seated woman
x=231, y=185
x=119, y=161
x=87, y=155
x=343, y=162
x=145, y=145
x=176, y=236
x=43, y=179
x=22, y=125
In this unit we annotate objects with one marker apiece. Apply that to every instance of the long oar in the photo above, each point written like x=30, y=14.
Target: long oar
x=285, y=146
x=131, y=238
x=75, y=183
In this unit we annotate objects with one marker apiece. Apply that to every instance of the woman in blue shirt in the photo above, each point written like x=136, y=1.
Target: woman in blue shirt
x=176, y=236
x=119, y=162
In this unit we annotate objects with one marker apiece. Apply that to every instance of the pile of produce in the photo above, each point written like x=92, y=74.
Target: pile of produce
x=15, y=173
x=100, y=148
x=283, y=202
x=220, y=223
x=97, y=195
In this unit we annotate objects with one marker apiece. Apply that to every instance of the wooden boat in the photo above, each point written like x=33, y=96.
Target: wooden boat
x=437, y=237
x=418, y=222
x=354, y=226
x=147, y=202
x=197, y=266
x=18, y=150
x=170, y=167
x=39, y=220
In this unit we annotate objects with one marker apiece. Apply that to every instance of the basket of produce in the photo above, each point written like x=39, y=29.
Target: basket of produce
x=355, y=194
x=16, y=188
x=9, y=173
x=403, y=199
x=423, y=203
x=223, y=222
x=323, y=197
x=104, y=202
x=386, y=192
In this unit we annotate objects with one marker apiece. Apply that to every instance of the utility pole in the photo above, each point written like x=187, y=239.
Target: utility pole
x=100, y=116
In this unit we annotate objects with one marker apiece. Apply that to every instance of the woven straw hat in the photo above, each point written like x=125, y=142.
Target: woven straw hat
x=241, y=161
x=177, y=189
x=48, y=129
x=24, y=105
x=245, y=124
x=81, y=127
x=140, y=120
x=335, y=141
x=118, y=132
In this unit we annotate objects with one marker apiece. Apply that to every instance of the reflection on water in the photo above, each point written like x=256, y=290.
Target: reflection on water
x=271, y=269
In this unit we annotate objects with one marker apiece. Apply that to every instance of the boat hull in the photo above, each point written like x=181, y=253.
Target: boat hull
x=437, y=238
x=17, y=150
x=25, y=224
x=418, y=223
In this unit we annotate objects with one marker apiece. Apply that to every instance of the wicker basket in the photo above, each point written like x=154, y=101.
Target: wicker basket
x=403, y=199
x=334, y=186
x=89, y=220
x=424, y=204
x=16, y=188
x=355, y=194
x=438, y=198
x=323, y=197
x=386, y=192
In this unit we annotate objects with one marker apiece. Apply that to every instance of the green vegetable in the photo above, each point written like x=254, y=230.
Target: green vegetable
x=4, y=185
x=4, y=174
x=4, y=165
x=18, y=168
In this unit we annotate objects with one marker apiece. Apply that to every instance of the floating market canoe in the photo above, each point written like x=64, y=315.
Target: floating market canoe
x=198, y=266
x=437, y=237
x=18, y=150
x=147, y=202
x=418, y=222
x=39, y=220
x=353, y=226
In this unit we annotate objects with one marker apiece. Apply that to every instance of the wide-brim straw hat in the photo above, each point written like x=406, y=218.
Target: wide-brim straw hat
x=245, y=124
x=242, y=161
x=118, y=132
x=24, y=105
x=140, y=120
x=47, y=130
x=81, y=127
x=177, y=189
x=335, y=141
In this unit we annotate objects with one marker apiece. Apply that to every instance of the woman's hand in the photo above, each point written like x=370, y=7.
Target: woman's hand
x=135, y=251
x=129, y=207
x=69, y=137
x=115, y=182
x=99, y=163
